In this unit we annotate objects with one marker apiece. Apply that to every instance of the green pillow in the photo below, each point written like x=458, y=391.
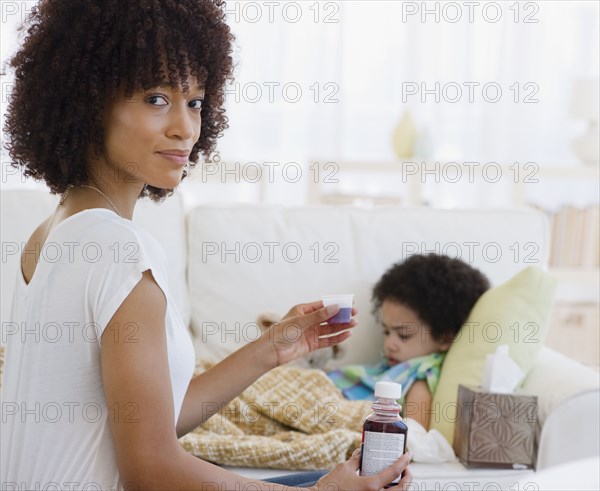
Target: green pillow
x=515, y=313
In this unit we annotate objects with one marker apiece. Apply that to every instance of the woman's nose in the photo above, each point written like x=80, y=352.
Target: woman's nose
x=183, y=123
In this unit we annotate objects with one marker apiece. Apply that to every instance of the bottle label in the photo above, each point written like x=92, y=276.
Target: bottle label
x=379, y=451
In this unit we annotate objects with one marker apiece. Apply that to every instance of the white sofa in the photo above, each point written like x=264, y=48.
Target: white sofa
x=230, y=262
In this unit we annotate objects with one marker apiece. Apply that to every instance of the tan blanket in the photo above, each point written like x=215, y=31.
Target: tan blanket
x=291, y=418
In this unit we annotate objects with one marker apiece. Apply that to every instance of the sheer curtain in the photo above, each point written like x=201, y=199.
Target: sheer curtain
x=370, y=53
x=329, y=80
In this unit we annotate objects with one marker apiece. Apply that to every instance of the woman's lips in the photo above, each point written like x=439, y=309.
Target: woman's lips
x=178, y=159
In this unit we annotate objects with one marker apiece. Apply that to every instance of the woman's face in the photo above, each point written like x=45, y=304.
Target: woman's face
x=144, y=133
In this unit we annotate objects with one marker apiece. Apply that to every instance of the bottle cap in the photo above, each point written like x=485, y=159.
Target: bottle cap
x=388, y=390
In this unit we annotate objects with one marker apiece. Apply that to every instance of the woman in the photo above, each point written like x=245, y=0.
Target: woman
x=113, y=98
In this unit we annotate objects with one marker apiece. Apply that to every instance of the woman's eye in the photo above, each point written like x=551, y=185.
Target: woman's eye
x=152, y=97
x=199, y=103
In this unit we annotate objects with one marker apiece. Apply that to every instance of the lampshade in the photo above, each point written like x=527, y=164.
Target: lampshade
x=584, y=100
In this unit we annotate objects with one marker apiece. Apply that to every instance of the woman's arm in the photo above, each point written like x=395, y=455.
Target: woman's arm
x=211, y=390
x=295, y=335
x=418, y=403
x=137, y=387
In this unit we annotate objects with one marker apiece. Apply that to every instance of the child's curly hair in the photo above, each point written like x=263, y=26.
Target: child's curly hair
x=439, y=289
x=76, y=56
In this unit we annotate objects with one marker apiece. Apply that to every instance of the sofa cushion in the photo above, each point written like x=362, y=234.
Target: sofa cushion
x=515, y=313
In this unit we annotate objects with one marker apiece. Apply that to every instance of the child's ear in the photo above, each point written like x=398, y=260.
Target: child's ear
x=446, y=343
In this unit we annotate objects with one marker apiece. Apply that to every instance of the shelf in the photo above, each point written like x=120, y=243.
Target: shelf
x=420, y=175
x=579, y=275
x=577, y=285
x=573, y=172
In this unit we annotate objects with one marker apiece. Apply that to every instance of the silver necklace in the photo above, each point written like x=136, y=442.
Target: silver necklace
x=95, y=189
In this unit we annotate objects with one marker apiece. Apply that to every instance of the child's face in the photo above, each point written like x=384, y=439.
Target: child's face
x=406, y=336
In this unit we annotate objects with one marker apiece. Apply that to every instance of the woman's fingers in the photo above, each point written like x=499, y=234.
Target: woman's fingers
x=387, y=475
x=333, y=340
x=334, y=334
x=293, y=326
x=326, y=329
x=404, y=483
x=344, y=476
x=406, y=479
x=314, y=315
x=307, y=308
x=318, y=316
x=354, y=460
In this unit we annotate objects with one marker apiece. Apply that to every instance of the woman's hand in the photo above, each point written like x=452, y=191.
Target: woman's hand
x=344, y=476
x=298, y=333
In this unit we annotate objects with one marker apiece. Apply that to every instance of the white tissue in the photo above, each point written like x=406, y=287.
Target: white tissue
x=427, y=446
x=501, y=374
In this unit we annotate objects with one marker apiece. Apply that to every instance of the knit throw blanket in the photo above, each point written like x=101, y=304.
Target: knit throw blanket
x=358, y=381
x=290, y=418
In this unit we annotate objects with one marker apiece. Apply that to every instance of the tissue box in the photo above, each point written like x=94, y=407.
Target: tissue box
x=495, y=430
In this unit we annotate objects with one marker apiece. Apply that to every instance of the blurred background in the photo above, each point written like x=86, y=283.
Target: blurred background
x=443, y=104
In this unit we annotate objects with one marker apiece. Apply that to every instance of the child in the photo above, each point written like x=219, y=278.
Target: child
x=421, y=304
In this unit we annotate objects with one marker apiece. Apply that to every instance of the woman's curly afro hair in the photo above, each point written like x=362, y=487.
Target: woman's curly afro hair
x=439, y=289
x=76, y=56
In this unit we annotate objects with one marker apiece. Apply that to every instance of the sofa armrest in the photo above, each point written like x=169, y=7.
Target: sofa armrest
x=555, y=378
x=571, y=431
x=569, y=403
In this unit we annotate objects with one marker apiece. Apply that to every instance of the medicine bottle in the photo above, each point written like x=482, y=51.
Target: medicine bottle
x=384, y=432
